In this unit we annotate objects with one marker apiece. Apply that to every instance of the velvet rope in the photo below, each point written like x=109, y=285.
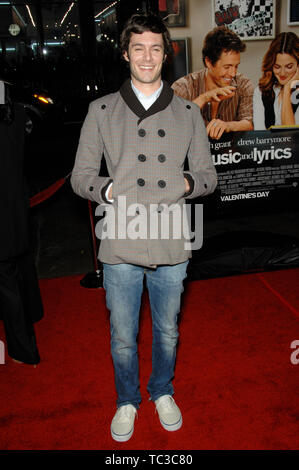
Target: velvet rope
x=48, y=192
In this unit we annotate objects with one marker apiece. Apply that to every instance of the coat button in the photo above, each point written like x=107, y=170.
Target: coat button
x=141, y=132
x=161, y=132
x=140, y=182
x=161, y=158
x=188, y=106
x=90, y=188
x=161, y=183
x=141, y=157
x=103, y=106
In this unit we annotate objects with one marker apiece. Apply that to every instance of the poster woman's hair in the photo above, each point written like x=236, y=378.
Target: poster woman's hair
x=284, y=43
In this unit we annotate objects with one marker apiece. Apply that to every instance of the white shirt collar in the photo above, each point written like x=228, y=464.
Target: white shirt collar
x=147, y=101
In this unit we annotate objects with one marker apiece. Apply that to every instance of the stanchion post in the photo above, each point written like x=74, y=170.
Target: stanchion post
x=94, y=279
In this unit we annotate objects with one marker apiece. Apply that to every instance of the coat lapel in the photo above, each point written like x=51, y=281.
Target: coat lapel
x=134, y=104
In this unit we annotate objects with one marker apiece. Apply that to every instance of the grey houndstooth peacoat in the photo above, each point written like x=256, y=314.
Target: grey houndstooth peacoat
x=145, y=151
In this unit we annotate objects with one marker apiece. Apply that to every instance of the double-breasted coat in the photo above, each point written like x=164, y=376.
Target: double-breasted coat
x=145, y=152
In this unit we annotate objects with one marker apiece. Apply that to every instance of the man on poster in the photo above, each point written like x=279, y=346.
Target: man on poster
x=145, y=133
x=223, y=95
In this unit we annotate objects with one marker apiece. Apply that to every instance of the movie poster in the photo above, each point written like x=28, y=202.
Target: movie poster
x=257, y=169
x=250, y=19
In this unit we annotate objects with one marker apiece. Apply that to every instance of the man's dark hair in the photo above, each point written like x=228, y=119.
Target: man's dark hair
x=139, y=24
x=221, y=39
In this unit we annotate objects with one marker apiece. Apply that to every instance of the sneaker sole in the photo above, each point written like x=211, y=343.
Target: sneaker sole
x=172, y=427
x=122, y=437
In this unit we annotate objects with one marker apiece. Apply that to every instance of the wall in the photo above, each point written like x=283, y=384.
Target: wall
x=199, y=23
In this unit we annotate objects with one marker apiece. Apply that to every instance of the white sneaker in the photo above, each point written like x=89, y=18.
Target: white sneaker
x=122, y=425
x=169, y=413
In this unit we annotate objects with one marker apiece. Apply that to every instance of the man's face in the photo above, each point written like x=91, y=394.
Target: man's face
x=145, y=56
x=225, y=69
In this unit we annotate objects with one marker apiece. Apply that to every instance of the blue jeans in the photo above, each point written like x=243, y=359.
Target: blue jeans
x=124, y=286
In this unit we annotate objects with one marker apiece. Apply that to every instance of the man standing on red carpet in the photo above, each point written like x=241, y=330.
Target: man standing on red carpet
x=145, y=133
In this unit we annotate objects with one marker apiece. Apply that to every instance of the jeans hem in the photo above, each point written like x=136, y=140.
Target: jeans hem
x=124, y=403
x=156, y=397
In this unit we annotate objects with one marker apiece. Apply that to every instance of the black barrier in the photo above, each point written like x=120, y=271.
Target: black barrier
x=257, y=170
x=258, y=174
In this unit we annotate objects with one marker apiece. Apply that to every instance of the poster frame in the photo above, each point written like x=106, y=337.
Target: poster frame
x=173, y=20
x=291, y=19
x=238, y=26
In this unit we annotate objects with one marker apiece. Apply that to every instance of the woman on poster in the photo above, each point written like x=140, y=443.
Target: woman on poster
x=276, y=99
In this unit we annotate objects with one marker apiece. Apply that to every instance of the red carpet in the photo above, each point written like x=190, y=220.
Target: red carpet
x=235, y=382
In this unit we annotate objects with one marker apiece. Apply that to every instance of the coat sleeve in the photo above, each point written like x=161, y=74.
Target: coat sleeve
x=85, y=179
x=202, y=174
x=245, y=96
